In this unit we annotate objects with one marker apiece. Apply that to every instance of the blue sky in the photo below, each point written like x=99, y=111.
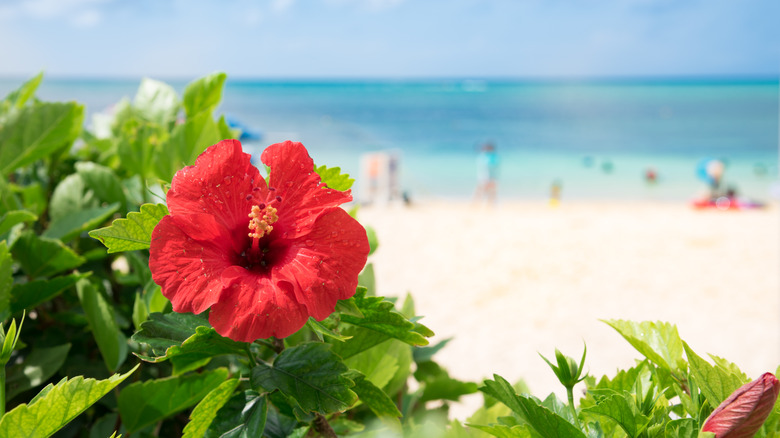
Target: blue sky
x=390, y=38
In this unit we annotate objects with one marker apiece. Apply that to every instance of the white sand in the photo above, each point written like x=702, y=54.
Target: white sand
x=523, y=278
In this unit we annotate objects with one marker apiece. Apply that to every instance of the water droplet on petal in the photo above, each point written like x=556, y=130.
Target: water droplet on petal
x=309, y=242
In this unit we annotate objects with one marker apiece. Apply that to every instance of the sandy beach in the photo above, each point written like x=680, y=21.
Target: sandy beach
x=522, y=278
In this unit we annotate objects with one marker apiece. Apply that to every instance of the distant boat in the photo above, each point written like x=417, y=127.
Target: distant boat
x=247, y=133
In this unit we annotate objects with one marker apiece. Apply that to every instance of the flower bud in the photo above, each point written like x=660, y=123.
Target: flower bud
x=745, y=410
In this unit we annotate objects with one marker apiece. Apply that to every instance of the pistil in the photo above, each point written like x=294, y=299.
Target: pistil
x=260, y=224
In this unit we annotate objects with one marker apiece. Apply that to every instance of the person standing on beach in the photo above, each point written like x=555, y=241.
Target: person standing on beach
x=487, y=173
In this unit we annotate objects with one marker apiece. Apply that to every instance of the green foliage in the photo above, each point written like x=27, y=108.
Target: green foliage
x=56, y=405
x=132, y=233
x=145, y=403
x=333, y=178
x=311, y=376
x=111, y=342
x=204, y=94
x=36, y=131
x=657, y=341
x=716, y=382
x=43, y=256
x=38, y=366
x=205, y=412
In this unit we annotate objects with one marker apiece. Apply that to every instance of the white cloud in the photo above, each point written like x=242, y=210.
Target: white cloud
x=80, y=13
x=281, y=5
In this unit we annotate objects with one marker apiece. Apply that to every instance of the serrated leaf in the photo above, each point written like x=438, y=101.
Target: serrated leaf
x=378, y=364
x=156, y=101
x=111, y=342
x=380, y=317
x=205, y=412
x=310, y=374
x=204, y=94
x=373, y=397
x=333, y=178
x=37, y=367
x=26, y=296
x=37, y=131
x=246, y=415
x=715, y=382
x=11, y=218
x=56, y=405
x=165, y=330
x=542, y=420
x=657, y=341
x=145, y=403
x=618, y=407
x=71, y=225
x=44, y=257
x=443, y=387
x=187, y=141
x=133, y=232
x=203, y=345
x=6, y=281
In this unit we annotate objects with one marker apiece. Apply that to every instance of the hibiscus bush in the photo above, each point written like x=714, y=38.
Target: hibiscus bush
x=158, y=281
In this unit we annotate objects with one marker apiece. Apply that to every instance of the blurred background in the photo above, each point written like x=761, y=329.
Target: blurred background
x=607, y=100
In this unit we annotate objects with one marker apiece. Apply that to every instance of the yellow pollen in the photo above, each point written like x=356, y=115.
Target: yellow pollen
x=261, y=220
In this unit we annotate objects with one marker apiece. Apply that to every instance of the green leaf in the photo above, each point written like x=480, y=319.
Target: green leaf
x=333, y=178
x=100, y=315
x=37, y=131
x=204, y=94
x=44, y=257
x=373, y=241
x=380, y=317
x=373, y=397
x=187, y=141
x=206, y=411
x=204, y=344
x=6, y=281
x=247, y=415
x=716, y=382
x=163, y=331
x=132, y=233
x=378, y=364
x=618, y=407
x=682, y=428
x=657, y=341
x=542, y=420
x=70, y=196
x=37, y=367
x=440, y=386
x=311, y=375
x=26, y=296
x=156, y=102
x=8, y=220
x=504, y=431
x=56, y=405
x=102, y=181
x=321, y=330
x=367, y=279
x=147, y=402
x=21, y=95
x=71, y=225
x=139, y=143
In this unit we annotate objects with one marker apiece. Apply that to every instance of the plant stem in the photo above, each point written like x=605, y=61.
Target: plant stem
x=322, y=427
x=2, y=390
x=570, y=394
x=250, y=356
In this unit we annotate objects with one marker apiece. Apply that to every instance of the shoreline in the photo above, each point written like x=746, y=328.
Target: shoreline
x=522, y=278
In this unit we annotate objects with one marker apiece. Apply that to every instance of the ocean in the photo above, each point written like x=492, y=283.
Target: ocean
x=596, y=138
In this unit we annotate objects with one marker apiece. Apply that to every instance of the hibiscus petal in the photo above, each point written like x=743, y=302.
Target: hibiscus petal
x=302, y=192
x=187, y=261
x=218, y=184
x=324, y=264
x=254, y=307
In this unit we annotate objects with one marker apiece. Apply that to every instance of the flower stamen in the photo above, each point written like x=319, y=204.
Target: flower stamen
x=260, y=223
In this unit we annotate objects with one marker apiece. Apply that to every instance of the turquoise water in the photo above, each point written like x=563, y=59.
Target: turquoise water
x=544, y=130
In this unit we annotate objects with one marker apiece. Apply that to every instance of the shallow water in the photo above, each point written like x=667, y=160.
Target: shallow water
x=596, y=138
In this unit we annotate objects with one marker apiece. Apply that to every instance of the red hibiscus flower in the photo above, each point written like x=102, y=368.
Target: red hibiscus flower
x=263, y=255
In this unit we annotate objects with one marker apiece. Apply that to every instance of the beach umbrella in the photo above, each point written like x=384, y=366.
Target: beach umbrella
x=710, y=170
